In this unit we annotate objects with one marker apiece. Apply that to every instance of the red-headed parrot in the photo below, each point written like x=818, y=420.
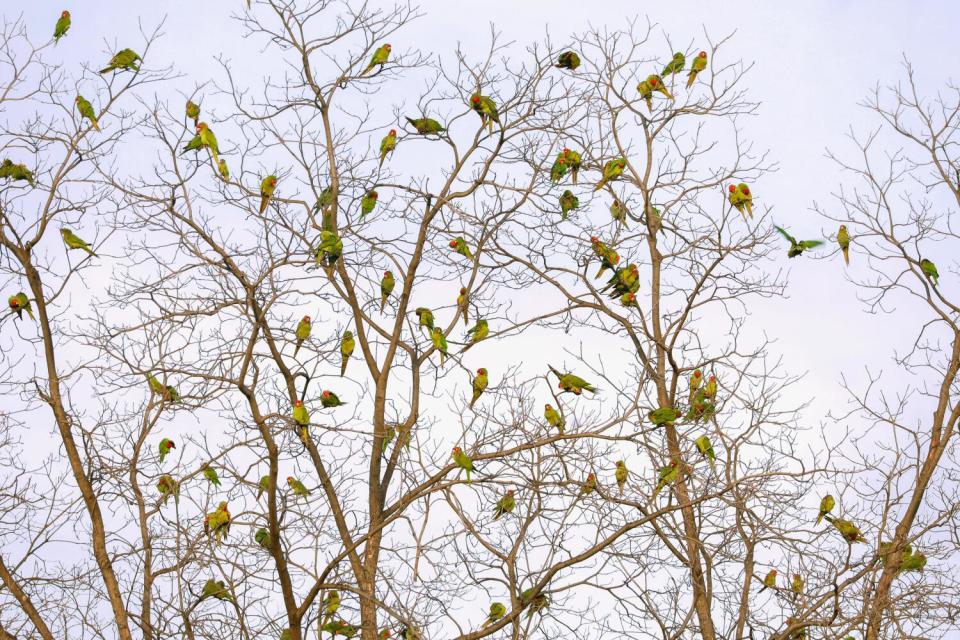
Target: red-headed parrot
x=166, y=487
x=123, y=60
x=347, y=345
x=19, y=303
x=297, y=487
x=368, y=202
x=63, y=25
x=330, y=400
x=463, y=304
x=487, y=108
x=699, y=64
x=267, y=186
x=459, y=244
x=770, y=581
x=217, y=522
x=209, y=141
x=379, y=58
x=611, y=171
x=166, y=445
x=480, y=382
x=302, y=333
x=463, y=461
x=387, y=145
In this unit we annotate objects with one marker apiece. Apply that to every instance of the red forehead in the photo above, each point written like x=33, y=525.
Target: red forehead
x=387, y=46
x=732, y=188
x=306, y=318
x=393, y=132
x=475, y=98
x=745, y=189
x=702, y=54
x=463, y=290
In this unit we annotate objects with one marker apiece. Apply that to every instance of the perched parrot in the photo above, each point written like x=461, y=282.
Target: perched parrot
x=826, y=506
x=263, y=486
x=330, y=248
x=850, y=532
x=387, y=145
x=930, y=270
x=459, y=245
x=164, y=447
x=695, y=381
x=653, y=220
x=170, y=394
x=741, y=198
x=646, y=93
x=568, y=60
x=208, y=140
x=216, y=589
x=347, y=345
x=573, y=162
x=16, y=172
x=843, y=239
x=618, y=211
x=123, y=60
x=330, y=400
x=267, y=186
x=379, y=57
x=554, y=418
x=193, y=111
x=796, y=585
x=478, y=332
x=664, y=416
x=537, y=603
x=487, y=108
x=426, y=126
x=568, y=203
x=572, y=383
x=300, y=414
x=156, y=386
x=700, y=409
x=63, y=25
x=331, y=603
x=505, y=504
x=611, y=171
x=699, y=64
x=405, y=436
x=666, y=475
x=323, y=206
x=167, y=487
x=425, y=317
x=211, y=475
x=675, y=65
x=302, y=333
x=20, y=303
x=656, y=83
x=480, y=383
x=194, y=144
x=387, y=283
x=710, y=391
x=368, y=202
x=609, y=258
x=218, y=522
x=86, y=111
x=629, y=300
x=262, y=538
x=463, y=304
x=797, y=247
x=705, y=447
x=915, y=561
x=440, y=342
x=389, y=434
x=589, y=485
x=340, y=628
x=624, y=280
x=559, y=169
x=463, y=461
x=297, y=487
x=497, y=611
x=621, y=475
x=769, y=582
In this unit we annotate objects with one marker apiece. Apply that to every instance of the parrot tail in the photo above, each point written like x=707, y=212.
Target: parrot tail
x=600, y=184
x=96, y=125
x=691, y=78
x=750, y=209
x=846, y=255
x=573, y=174
x=264, y=201
x=382, y=158
x=106, y=70
x=343, y=366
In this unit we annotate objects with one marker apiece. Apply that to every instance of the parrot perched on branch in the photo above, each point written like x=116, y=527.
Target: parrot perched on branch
x=193, y=111
x=656, y=83
x=86, y=111
x=611, y=171
x=330, y=400
x=165, y=446
x=930, y=270
x=267, y=186
x=387, y=145
x=302, y=333
x=664, y=416
x=440, y=342
x=331, y=603
x=850, y=532
x=63, y=25
x=621, y=475
x=479, y=384
x=568, y=203
x=568, y=60
x=330, y=248
x=217, y=589
x=497, y=611
x=387, y=284
x=505, y=504
x=300, y=414
x=826, y=506
x=167, y=487
x=573, y=161
x=741, y=198
x=618, y=211
x=699, y=64
x=571, y=383
x=379, y=58
x=262, y=538
x=211, y=475
x=425, y=318
x=426, y=126
x=218, y=522
x=589, y=485
x=368, y=203
x=463, y=461
x=297, y=487
x=459, y=244
x=123, y=60
x=209, y=141
x=16, y=172
x=666, y=475
x=843, y=239
x=478, y=332
x=19, y=303
x=487, y=108
x=74, y=242
x=463, y=304
x=609, y=258
x=676, y=64
x=347, y=345
x=559, y=169
x=770, y=581
x=553, y=418
x=705, y=447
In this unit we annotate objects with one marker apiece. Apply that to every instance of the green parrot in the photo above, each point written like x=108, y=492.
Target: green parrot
x=843, y=239
x=405, y=438
x=611, y=171
x=347, y=345
x=537, y=603
x=675, y=65
x=505, y=504
x=568, y=60
x=480, y=382
x=209, y=141
x=478, y=332
x=218, y=522
x=653, y=220
x=379, y=57
x=223, y=169
x=16, y=172
x=300, y=414
x=699, y=64
x=554, y=418
x=368, y=202
x=440, y=342
x=211, y=475
x=330, y=248
x=705, y=447
x=263, y=486
x=589, y=485
x=20, y=303
x=487, y=108
x=216, y=589
x=624, y=280
x=323, y=205
x=267, y=186
x=340, y=628
x=741, y=198
x=463, y=461
x=387, y=145
x=297, y=487
x=826, y=506
x=573, y=162
x=571, y=383
x=302, y=333
x=330, y=400
x=167, y=487
x=568, y=203
x=426, y=126
x=770, y=581
x=63, y=25
x=664, y=416
x=459, y=245
x=695, y=381
x=666, y=475
x=193, y=111
x=797, y=247
x=850, y=532
x=125, y=59
x=497, y=611
x=646, y=93
x=621, y=475
x=700, y=408
x=86, y=111
x=930, y=270
x=710, y=391
x=194, y=144
x=618, y=211
x=559, y=169
x=609, y=258
x=425, y=317
x=164, y=447
x=389, y=434
x=330, y=603
x=170, y=394
x=156, y=386
x=656, y=83
x=262, y=538
x=915, y=561
x=463, y=304
x=386, y=288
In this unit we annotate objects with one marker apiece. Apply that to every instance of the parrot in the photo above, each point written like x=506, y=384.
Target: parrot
x=386, y=288
x=850, y=532
x=710, y=391
x=573, y=384
x=426, y=126
x=368, y=202
x=170, y=394
x=487, y=108
x=164, y=447
x=330, y=400
x=340, y=627
x=797, y=247
x=609, y=258
x=389, y=434
x=297, y=487
x=323, y=205
x=440, y=342
x=16, y=172
x=216, y=589
x=656, y=83
x=193, y=111
x=63, y=25
x=666, y=475
x=537, y=603
x=20, y=303
x=262, y=538
x=826, y=506
x=568, y=203
x=194, y=144
x=553, y=417
x=573, y=162
x=699, y=64
x=263, y=485
x=695, y=381
x=479, y=385
x=796, y=585
x=463, y=304
x=741, y=198
x=568, y=60
x=379, y=57
x=618, y=211
x=663, y=416
x=675, y=65
x=611, y=171
x=506, y=504
x=267, y=186
x=347, y=345
x=218, y=522
x=211, y=475
x=624, y=280
x=843, y=239
x=915, y=561
x=621, y=475
x=589, y=485
x=700, y=409
x=405, y=436
x=653, y=220
x=478, y=332
x=330, y=248
x=387, y=145
x=559, y=169
x=930, y=270
x=125, y=59
x=224, y=169
x=770, y=582
x=425, y=317
x=646, y=93
x=209, y=141
x=331, y=603
x=705, y=447
x=463, y=461
x=167, y=487
x=300, y=414
x=155, y=385
x=459, y=245
x=302, y=333
x=86, y=111
x=497, y=611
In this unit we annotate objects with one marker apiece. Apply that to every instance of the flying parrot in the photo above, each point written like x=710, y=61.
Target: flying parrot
x=330, y=248
x=573, y=162
x=211, y=475
x=568, y=60
x=663, y=416
x=63, y=25
x=621, y=475
x=16, y=172
x=167, y=487
x=379, y=57
x=86, y=111
x=208, y=140
x=666, y=475
x=193, y=111
x=797, y=247
x=770, y=581
x=267, y=186
x=554, y=418
x=487, y=108
x=20, y=303
x=618, y=211
x=330, y=400
x=609, y=258
x=568, y=203
x=463, y=304
x=930, y=270
x=480, y=382
x=459, y=245
x=843, y=239
x=478, y=332
x=646, y=93
x=589, y=485
x=223, y=169
x=463, y=461
x=297, y=487
x=572, y=383
x=440, y=342
x=302, y=333
x=387, y=283
x=705, y=447
x=656, y=83
x=497, y=611
x=699, y=64
x=331, y=603
x=826, y=506
x=559, y=169
x=347, y=345
x=164, y=447
x=125, y=59
x=74, y=242
x=850, y=532
x=262, y=538
x=505, y=504
x=387, y=145
x=216, y=589
x=425, y=317
x=675, y=65
x=300, y=414
x=218, y=522
x=368, y=202
x=426, y=126
x=611, y=171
